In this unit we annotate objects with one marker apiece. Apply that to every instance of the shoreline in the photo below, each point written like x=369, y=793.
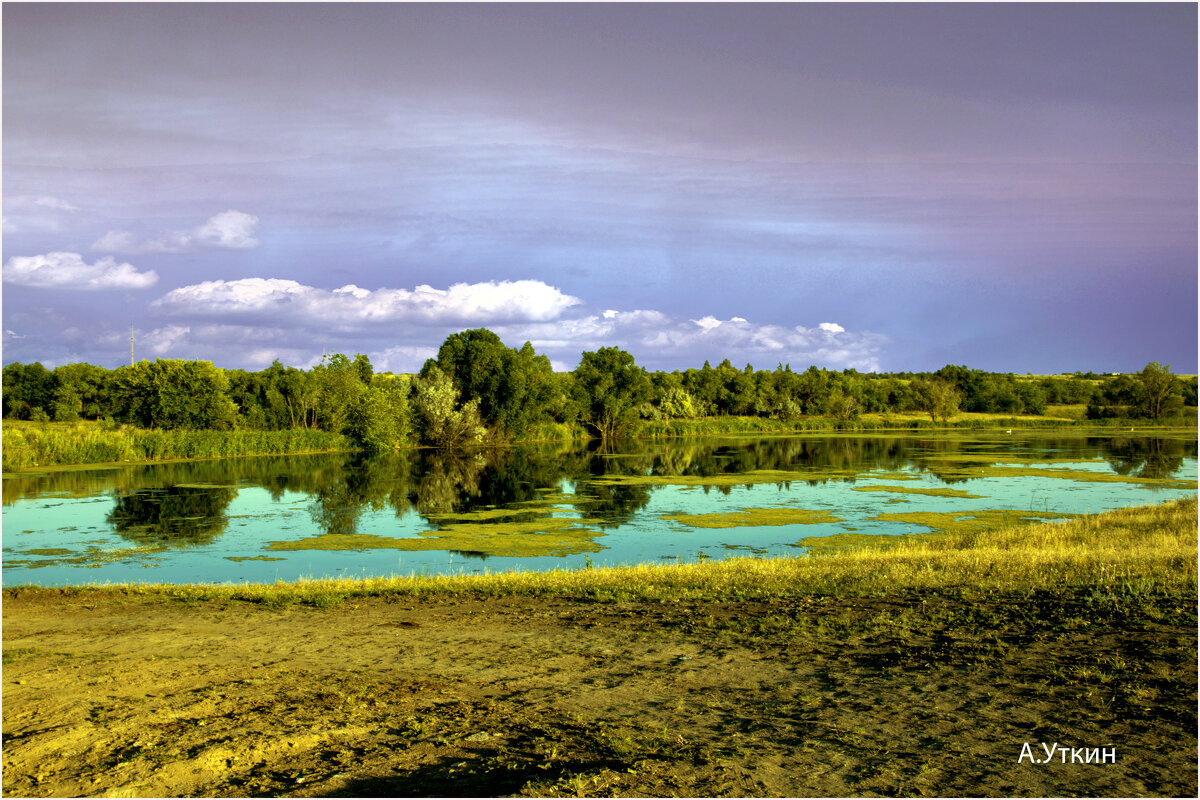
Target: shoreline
x=714, y=427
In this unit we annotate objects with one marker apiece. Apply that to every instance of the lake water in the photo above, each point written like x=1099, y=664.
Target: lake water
x=283, y=518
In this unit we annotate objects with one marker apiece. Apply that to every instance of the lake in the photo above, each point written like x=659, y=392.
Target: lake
x=534, y=508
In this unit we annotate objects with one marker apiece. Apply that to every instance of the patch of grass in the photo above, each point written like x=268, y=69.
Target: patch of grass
x=938, y=492
x=11, y=655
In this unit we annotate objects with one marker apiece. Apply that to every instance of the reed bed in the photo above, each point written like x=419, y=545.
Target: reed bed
x=29, y=445
x=1138, y=555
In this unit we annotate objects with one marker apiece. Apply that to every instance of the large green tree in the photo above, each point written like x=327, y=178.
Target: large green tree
x=28, y=390
x=173, y=393
x=79, y=390
x=1160, y=394
x=513, y=387
x=609, y=387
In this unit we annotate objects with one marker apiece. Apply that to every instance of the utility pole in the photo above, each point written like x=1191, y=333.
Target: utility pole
x=131, y=362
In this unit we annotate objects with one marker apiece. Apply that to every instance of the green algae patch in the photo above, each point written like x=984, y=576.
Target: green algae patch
x=552, y=536
x=90, y=557
x=749, y=478
x=755, y=517
x=892, y=476
x=240, y=559
x=971, y=521
x=49, y=551
x=481, y=515
x=939, y=492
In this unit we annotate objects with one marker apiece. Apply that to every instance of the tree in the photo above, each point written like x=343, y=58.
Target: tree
x=1159, y=396
x=338, y=383
x=27, y=387
x=375, y=421
x=80, y=390
x=513, y=387
x=937, y=397
x=439, y=419
x=609, y=387
x=173, y=393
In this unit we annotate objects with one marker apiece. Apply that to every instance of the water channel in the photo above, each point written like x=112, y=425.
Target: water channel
x=535, y=508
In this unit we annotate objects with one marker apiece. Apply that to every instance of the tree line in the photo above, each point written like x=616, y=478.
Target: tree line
x=477, y=389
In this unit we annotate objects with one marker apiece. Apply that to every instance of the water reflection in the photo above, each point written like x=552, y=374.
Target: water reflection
x=172, y=516
x=361, y=484
x=1147, y=458
x=186, y=503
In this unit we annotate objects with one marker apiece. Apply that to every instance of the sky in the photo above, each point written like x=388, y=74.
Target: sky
x=883, y=187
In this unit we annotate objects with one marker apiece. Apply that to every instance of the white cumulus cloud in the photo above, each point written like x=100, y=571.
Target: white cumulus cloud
x=282, y=299
x=659, y=340
x=62, y=270
x=229, y=230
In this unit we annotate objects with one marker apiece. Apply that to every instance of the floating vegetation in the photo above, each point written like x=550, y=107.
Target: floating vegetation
x=240, y=559
x=748, y=478
x=755, y=517
x=970, y=521
x=91, y=557
x=551, y=536
x=893, y=476
x=939, y=492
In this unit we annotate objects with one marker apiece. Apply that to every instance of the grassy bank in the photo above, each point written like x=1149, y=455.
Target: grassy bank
x=1136, y=555
x=46, y=444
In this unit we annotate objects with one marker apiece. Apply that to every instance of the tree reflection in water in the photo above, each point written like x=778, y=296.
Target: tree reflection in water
x=1146, y=458
x=180, y=504
x=172, y=516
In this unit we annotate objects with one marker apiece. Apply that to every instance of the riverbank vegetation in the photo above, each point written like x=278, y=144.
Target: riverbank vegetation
x=477, y=391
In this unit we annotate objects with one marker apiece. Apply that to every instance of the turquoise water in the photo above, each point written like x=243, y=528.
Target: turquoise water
x=237, y=520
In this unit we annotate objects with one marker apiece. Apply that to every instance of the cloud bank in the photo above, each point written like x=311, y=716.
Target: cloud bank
x=63, y=270
x=288, y=300
x=268, y=318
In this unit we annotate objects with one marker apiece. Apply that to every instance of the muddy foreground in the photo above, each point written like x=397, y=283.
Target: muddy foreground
x=112, y=695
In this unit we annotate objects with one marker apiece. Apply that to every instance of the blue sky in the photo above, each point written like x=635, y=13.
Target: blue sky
x=884, y=187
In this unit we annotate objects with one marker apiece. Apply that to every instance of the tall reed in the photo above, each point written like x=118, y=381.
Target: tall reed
x=41, y=445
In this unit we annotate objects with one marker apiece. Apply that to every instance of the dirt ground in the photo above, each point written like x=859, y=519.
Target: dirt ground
x=128, y=696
